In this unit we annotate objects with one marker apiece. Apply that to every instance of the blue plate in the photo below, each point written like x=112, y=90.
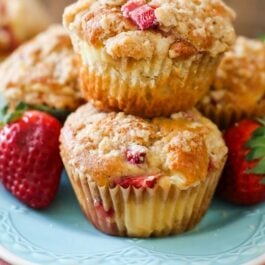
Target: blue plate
x=61, y=235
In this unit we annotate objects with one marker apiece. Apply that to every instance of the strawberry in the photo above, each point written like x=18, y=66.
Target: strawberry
x=130, y=6
x=135, y=154
x=30, y=163
x=242, y=181
x=137, y=182
x=143, y=15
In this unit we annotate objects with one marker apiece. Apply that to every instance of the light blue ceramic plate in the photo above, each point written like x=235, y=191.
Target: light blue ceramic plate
x=61, y=235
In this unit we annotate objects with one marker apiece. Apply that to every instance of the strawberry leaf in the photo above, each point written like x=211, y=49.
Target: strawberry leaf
x=4, y=110
x=59, y=114
x=259, y=169
x=258, y=152
x=11, y=116
x=259, y=132
x=261, y=121
x=256, y=142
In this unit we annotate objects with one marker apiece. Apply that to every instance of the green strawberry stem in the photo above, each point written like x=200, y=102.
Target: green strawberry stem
x=256, y=147
x=17, y=113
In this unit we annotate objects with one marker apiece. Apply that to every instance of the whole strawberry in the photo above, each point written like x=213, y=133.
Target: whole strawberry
x=243, y=178
x=30, y=163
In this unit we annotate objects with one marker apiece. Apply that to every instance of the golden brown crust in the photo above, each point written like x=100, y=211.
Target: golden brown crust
x=178, y=149
x=43, y=71
x=205, y=24
x=239, y=85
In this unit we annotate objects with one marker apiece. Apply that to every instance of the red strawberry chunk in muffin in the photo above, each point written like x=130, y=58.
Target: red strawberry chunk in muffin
x=102, y=213
x=130, y=6
x=143, y=15
x=137, y=181
x=135, y=154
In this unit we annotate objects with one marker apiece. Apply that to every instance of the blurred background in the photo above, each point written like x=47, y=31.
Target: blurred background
x=250, y=14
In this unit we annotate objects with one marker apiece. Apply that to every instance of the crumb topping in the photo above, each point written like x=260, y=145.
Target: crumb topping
x=240, y=78
x=109, y=146
x=43, y=71
x=194, y=26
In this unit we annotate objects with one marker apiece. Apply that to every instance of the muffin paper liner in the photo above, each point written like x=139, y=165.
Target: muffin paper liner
x=143, y=212
x=148, y=88
x=226, y=116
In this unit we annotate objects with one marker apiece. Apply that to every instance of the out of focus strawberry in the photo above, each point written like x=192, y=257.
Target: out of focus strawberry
x=30, y=163
x=242, y=181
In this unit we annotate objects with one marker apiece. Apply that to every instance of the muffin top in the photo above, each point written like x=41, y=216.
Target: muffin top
x=15, y=26
x=112, y=147
x=240, y=78
x=142, y=28
x=43, y=71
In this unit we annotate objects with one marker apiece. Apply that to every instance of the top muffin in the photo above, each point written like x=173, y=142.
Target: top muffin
x=140, y=28
x=148, y=58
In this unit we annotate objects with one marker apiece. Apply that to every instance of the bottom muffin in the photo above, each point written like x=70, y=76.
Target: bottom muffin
x=139, y=177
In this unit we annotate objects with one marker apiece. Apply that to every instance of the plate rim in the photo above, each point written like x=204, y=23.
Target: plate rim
x=10, y=257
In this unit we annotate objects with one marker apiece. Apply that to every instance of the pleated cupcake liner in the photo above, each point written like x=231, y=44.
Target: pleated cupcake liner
x=147, y=88
x=226, y=116
x=143, y=212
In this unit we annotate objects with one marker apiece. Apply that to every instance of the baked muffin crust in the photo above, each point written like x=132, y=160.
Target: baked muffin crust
x=43, y=71
x=106, y=147
x=240, y=78
x=204, y=25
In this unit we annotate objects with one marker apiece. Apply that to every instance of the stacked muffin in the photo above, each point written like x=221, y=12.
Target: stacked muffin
x=155, y=173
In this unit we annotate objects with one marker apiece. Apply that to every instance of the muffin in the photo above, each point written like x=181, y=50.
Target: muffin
x=148, y=58
x=16, y=26
x=139, y=177
x=238, y=90
x=43, y=71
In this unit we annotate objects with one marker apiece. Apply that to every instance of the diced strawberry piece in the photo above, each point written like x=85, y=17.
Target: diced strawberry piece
x=136, y=154
x=102, y=213
x=144, y=17
x=137, y=181
x=130, y=6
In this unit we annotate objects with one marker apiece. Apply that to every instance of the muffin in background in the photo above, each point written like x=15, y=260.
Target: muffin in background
x=20, y=20
x=43, y=71
x=238, y=90
x=139, y=177
x=151, y=67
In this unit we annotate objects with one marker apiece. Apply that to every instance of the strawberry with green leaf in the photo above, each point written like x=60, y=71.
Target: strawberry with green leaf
x=30, y=163
x=243, y=179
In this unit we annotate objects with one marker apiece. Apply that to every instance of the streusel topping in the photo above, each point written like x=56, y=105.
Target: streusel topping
x=201, y=25
x=110, y=146
x=43, y=71
x=240, y=78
